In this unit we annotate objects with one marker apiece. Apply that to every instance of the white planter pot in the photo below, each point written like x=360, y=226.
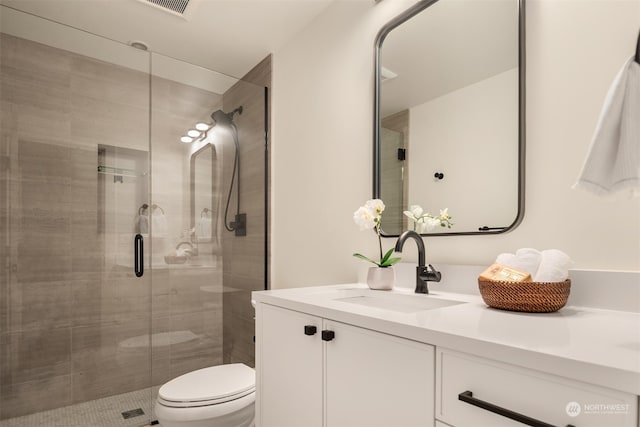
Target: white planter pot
x=381, y=279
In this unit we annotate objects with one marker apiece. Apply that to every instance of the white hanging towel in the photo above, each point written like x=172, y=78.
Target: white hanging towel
x=613, y=162
x=158, y=222
x=203, y=226
x=142, y=224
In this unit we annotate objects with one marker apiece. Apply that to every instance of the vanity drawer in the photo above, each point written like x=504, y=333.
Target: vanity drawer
x=472, y=392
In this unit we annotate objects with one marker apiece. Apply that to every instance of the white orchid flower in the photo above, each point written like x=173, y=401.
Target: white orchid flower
x=376, y=205
x=424, y=222
x=416, y=210
x=365, y=218
x=414, y=213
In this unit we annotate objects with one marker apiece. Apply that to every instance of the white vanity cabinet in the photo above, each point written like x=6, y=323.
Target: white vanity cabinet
x=314, y=371
x=476, y=392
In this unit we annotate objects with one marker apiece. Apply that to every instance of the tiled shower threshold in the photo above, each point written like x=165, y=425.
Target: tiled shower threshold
x=105, y=412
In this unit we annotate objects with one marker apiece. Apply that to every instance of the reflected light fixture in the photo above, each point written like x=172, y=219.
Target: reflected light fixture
x=197, y=133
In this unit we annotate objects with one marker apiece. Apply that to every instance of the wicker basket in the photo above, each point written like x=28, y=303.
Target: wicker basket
x=530, y=297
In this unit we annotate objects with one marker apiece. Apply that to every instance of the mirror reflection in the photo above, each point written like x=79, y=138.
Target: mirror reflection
x=202, y=193
x=448, y=115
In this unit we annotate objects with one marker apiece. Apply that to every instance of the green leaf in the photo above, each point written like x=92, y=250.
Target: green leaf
x=390, y=262
x=362, y=257
x=386, y=257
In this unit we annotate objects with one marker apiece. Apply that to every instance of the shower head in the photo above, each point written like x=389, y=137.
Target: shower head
x=222, y=118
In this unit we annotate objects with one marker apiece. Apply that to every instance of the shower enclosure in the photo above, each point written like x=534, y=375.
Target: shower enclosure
x=91, y=161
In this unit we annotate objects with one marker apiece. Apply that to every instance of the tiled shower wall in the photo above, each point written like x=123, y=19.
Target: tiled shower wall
x=66, y=302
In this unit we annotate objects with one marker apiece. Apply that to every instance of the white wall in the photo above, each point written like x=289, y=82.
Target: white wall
x=470, y=135
x=322, y=142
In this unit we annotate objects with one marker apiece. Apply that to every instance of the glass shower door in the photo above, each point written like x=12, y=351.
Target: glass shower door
x=74, y=319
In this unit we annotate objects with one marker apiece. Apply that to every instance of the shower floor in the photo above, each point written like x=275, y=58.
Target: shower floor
x=104, y=412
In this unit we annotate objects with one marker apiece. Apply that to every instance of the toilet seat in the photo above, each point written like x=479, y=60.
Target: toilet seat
x=208, y=386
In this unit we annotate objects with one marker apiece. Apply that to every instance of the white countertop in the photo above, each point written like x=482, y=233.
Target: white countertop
x=597, y=346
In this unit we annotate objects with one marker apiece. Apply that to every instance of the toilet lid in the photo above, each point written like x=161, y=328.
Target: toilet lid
x=213, y=385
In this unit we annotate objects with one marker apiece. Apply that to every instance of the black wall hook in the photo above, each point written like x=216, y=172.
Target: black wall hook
x=438, y=175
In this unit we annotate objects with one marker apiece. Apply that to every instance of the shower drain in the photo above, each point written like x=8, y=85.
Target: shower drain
x=132, y=413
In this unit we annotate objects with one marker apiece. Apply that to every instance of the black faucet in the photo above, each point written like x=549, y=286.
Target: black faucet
x=424, y=273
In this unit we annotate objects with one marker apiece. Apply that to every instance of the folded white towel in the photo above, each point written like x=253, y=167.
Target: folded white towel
x=613, y=161
x=528, y=260
x=554, y=266
x=507, y=259
x=525, y=259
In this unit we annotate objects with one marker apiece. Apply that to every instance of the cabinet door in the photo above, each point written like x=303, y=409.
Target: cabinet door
x=374, y=379
x=289, y=366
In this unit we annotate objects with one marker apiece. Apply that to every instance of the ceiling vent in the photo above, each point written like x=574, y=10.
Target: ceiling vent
x=182, y=8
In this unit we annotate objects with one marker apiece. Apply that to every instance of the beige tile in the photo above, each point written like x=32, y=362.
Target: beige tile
x=89, y=385
x=34, y=77
x=161, y=355
x=103, y=345
x=182, y=100
x=87, y=304
x=39, y=305
x=53, y=65
x=239, y=328
x=109, y=302
x=109, y=83
x=103, y=363
x=122, y=123
x=35, y=355
x=33, y=268
x=34, y=396
x=187, y=295
x=5, y=309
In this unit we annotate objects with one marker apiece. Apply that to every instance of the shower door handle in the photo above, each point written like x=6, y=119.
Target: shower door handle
x=138, y=255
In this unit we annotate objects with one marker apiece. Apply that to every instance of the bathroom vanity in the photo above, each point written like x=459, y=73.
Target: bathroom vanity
x=345, y=355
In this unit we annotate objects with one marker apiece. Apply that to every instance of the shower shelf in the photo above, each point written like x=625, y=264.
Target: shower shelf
x=109, y=170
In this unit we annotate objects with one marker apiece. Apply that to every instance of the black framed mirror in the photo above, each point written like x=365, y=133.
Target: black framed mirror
x=449, y=115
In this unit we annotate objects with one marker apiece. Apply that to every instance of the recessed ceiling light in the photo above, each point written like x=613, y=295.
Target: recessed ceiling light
x=139, y=44
x=203, y=126
x=193, y=133
x=186, y=139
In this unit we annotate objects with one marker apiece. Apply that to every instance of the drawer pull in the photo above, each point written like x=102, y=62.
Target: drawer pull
x=467, y=397
x=310, y=330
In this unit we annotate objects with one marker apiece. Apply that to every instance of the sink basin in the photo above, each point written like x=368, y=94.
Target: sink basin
x=399, y=302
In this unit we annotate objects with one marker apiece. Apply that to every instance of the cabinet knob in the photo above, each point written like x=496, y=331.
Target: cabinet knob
x=328, y=335
x=310, y=330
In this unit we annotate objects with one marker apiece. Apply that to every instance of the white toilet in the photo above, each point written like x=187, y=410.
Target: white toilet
x=219, y=396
